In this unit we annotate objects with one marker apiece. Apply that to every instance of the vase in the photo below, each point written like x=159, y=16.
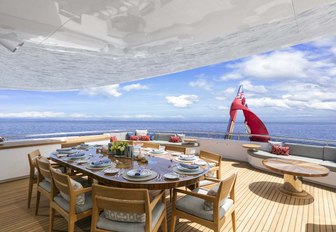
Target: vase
x=119, y=153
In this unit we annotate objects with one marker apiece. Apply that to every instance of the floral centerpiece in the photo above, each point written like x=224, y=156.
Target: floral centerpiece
x=118, y=148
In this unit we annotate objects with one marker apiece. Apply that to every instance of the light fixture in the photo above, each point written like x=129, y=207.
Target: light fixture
x=10, y=41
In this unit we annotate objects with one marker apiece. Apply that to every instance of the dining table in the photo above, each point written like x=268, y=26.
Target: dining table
x=163, y=169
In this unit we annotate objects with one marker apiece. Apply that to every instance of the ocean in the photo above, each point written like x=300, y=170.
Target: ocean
x=304, y=130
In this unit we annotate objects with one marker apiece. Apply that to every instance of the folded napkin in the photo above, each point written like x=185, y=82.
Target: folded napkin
x=100, y=162
x=77, y=154
x=189, y=166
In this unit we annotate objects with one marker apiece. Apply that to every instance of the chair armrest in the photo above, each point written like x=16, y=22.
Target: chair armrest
x=212, y=179
x=198, y=195
x=156, y=199
x=83, y=190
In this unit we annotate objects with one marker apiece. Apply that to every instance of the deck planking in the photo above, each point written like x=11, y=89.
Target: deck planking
x=259, y=206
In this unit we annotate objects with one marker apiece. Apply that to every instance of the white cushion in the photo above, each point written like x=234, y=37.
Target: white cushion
x=111, y=225
x=212, y=192
x=141, y=132
x=195, y=206
x=124, y=217
x=80, y=199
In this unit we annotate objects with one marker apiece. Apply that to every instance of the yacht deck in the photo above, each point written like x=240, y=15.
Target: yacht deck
x=259, y=206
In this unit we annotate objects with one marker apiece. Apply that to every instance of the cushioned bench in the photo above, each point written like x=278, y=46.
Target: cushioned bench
x=322, y=155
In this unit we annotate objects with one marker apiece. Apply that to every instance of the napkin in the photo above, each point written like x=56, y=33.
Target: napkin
x=77, y=154
x=189, y=166
x=100, y=162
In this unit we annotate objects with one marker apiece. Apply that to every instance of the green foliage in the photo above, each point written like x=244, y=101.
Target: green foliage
x=119, y=146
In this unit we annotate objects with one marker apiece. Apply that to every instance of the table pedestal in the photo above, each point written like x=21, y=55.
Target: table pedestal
x=293, y=186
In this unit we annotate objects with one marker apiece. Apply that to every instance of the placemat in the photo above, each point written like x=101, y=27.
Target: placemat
x=199, y=171
x=139, y=179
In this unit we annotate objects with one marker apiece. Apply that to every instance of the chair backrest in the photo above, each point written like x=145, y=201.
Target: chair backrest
x=120, y=200
x=212, y=158
x=32, y=156
x=227, y=188
x=61, y=182
x=176, y=148
x=151, y=145
x=43, y=167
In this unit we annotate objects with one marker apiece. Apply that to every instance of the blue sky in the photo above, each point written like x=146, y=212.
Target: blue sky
x=292, y=84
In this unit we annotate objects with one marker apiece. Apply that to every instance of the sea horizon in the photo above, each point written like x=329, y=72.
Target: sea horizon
x=302, y=130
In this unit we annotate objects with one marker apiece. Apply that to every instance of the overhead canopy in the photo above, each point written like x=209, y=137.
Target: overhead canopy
x=73, y=44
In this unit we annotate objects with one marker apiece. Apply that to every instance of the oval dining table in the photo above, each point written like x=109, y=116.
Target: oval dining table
x=159, y=163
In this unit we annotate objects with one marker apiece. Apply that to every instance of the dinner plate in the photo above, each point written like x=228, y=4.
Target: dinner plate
x=111, y=170
x=100, y=165
x=187, y=157
x=156, y=152
x=201, y=162
x=171, y=176
x=176, y=153
x=143, y=173
x=82, y=161
x=187, y=169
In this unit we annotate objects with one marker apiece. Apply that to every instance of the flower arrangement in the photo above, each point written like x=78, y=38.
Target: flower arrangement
x=118, y=147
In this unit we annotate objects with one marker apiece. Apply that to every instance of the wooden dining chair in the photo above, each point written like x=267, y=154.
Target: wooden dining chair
x=127, y=210
x=176, y=149
x=209, y=208
x=215, y=162
x=69, y=199
x=43, y=180
x=151, y=145
x=32, y=156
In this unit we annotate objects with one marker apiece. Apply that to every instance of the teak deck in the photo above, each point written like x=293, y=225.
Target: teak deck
x=259, y=206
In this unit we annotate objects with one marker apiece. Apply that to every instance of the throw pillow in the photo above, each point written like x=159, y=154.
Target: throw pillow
x=134, y=137
x=128, y=135
x=141, y=132
x=80, y=199
x=182, y=137
x=208, y=206
x=124, y=217
x=174, y=139
x=113, y=139
x=145, y=138
x=280, y=150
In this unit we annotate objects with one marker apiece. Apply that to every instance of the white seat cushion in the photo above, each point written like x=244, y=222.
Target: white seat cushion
x=107, y=224
x=195, y=206
x=79, y=208
x=46, y=185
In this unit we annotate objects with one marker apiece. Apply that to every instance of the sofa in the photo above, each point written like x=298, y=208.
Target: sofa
x=161, y=138
x=322, y=155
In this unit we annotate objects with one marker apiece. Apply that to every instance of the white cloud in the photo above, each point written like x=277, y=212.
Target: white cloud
x=324, y=42
x=225, y=94
x=182, y=101
x=134, y=87
x=231, y=76
x=247, y=85
x=108, y=91
x=33, y=114
x=225, y=108
x=201, y=83
x=283, y=64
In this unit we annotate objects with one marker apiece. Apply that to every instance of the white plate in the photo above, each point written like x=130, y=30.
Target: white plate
x=81, y=161
x=187, y=169
x=171, y=176
x=201, y=162
x=144, y=173
x=187, y=157
x=155, y=152
x=176, y=153
x=111, y=170
x=100, y=165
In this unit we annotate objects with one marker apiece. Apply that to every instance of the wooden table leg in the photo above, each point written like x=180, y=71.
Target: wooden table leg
x=293, y=186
